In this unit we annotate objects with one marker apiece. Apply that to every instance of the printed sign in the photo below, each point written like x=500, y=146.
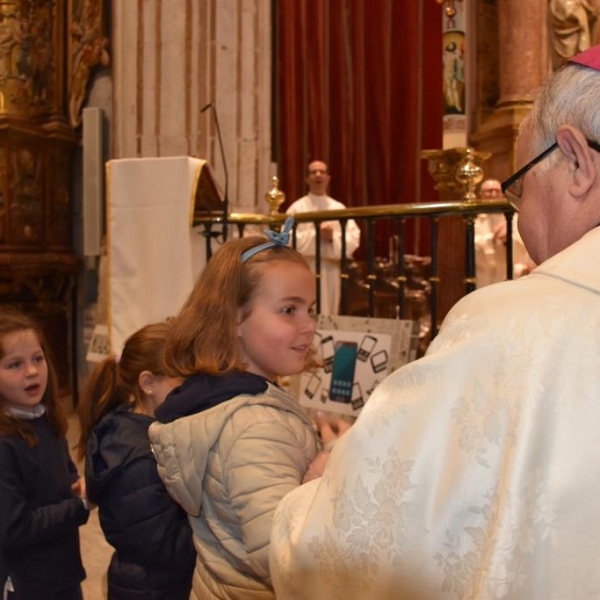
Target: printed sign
x=356, y=354
x=99, y=348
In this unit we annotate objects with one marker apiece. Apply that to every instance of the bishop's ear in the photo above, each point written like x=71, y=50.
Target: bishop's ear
x=574, y=146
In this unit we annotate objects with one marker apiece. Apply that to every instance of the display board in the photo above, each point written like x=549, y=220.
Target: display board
x=356, y=354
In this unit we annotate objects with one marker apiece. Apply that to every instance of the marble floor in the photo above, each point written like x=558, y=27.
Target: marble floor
x=95, y=551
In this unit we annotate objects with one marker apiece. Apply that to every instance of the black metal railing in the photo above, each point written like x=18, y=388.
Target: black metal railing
x=399, y=278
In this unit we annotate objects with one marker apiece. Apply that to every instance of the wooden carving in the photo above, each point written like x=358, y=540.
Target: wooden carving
x=88, y=48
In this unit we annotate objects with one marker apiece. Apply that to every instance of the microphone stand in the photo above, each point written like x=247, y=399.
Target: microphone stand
x=222, y=148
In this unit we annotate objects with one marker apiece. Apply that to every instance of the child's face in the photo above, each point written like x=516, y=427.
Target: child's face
x=23, y=371
x=278, y=332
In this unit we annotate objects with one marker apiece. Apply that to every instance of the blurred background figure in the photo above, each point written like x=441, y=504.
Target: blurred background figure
x=318, y=179
x=490, y=242
x=490, y=189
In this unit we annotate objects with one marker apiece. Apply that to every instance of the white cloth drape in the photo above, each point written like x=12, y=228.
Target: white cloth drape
x=154, y=255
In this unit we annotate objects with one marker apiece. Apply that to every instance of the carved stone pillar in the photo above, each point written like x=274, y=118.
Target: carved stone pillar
x=512, y=62
x=523, y=57
x=37, y=261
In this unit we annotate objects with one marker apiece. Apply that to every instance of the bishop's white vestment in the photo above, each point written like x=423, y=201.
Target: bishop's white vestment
x=473, y=472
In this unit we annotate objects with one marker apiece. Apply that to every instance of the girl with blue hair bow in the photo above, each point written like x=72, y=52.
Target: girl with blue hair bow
x=230, y=442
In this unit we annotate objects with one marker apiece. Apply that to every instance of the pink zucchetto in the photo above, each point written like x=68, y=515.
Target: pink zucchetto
x=588, y=58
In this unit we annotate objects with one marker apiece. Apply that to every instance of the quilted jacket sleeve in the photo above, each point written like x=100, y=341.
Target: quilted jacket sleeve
x=182, y=477
x=139, y=517
x=264, y=460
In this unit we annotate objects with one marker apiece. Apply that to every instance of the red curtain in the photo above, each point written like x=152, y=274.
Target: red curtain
x=359, y=85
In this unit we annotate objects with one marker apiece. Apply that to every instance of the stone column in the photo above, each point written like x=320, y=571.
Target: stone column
x=512, y=63
x=523, y=49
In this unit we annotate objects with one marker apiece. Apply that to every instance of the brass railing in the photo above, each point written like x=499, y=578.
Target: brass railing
x=367, y=218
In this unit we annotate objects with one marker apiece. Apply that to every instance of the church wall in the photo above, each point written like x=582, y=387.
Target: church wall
x=172, y=58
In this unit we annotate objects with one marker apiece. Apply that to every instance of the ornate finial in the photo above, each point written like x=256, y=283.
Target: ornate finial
x=450, y=10
x=469, y=173
x=275, y=197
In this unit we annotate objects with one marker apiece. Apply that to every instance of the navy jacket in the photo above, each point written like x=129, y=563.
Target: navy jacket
x=39, y=515
x=154, y=554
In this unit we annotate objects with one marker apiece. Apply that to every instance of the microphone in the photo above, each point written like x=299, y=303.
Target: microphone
x=225, y=194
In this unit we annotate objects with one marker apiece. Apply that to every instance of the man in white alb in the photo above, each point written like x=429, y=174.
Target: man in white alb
x=331, y=235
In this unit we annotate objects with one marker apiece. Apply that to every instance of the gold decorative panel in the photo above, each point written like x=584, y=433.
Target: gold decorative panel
x=30, y=57
x=87, y=48
x=38, y=264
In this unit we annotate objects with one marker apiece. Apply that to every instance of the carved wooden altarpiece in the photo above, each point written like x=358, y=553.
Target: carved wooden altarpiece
x=38, y=264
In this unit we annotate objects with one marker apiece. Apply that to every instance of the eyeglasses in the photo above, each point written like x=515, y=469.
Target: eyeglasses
x=512, y=188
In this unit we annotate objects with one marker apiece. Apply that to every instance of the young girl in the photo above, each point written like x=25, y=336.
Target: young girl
x=154, y=555
x=42, y=499
x=230, y=442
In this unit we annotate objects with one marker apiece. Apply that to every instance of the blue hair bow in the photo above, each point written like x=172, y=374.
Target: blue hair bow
x=276, y=238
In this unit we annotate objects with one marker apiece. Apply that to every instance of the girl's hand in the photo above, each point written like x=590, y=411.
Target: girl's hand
x=317, y=466
x=78, y=488
x=330, y=430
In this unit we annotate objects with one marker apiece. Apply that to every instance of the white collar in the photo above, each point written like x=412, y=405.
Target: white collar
x=38, y=411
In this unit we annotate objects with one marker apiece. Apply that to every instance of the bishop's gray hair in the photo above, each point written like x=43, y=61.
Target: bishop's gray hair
x=570, y=97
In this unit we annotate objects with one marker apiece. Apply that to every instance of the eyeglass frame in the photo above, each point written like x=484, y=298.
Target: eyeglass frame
x=505, y=185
